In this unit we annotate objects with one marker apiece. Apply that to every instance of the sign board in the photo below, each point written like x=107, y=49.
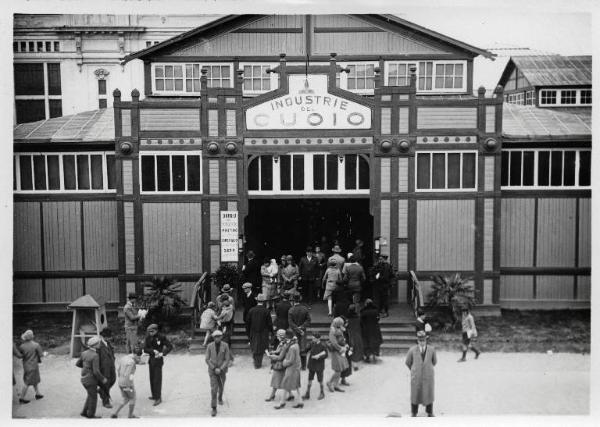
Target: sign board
x=229, y=236
x=308, y=105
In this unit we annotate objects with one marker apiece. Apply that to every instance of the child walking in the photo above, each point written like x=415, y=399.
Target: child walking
x=317, y=353
x=469, y=331
x=125, y=374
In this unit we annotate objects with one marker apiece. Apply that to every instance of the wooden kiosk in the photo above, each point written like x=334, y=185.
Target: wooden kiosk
x=89, y=318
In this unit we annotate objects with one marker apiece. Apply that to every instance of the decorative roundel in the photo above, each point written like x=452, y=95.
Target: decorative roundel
x=213, y=148
x=126, y=147
x=386, y=145
x=491, y=144
x=436, y=139
x=231, y=148
x=446, y=139
x=404, y=145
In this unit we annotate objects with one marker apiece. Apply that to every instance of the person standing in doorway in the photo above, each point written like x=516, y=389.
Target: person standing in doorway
x=299, y=321
x=248, y=301
x=309, y=274
x=157, y=346
x=337, y=258
x=322, y=261
x=91, y=377
x=251, y=272
x=106, y=353
x=289, y=275
x=217, y=358
x=382, y=275
x=354, y=276
x=421, y=360
x=469, y=332
x=31, y=354
x=358, y=251
x=260, y=327
x=125, y=373
x=132, y=320
x=325, y=246
x=332, y=280
x=282, y=309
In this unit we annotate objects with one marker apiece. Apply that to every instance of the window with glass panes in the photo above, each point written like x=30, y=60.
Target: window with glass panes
x=174, y=173
x=38, y=94
x=449, y=76
x=185, y=78
x=399, y=74
x=548, y=97
x=70, y=172
x=545, y=168
x=568, y=97
x=530, y=97
x=361, y=77
x=446, y=171
x=585, y=96
x=256, y=78
x=431, y=75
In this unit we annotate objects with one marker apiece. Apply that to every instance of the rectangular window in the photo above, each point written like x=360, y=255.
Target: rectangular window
x=185, y=78
x=530, y=97
x=257, y=80
x=548, y=97
x=87, y=172
x=432, y=76
x=567, y=97
x=446, y=171
x=37, y=91
x=585, y=96
x=36, y=46
x=102, y=87
x=398, y=74
x=545, y=168
x=516, y=98
x=360, y=78
x=174, y=173
x=102, y=103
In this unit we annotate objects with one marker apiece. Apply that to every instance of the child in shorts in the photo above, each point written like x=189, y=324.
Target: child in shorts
x=317, y=353
x=125, y=374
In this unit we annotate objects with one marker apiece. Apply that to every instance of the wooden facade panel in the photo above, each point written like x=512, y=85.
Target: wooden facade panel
x=446, y=118
x=100, y=235
x=402, y=285
x=554, y=287
x=231, y=176
x=125, y=122
x=62, y=235
x=386, y=121
x=584, y=288
x=403, y=120
x=244, y=44
x=106, y=288
x=402, y=257
x=231, y=126
x=353, y=43
x=445, y=235
x=385, y=213
x=585, y=233
x=232, y=206
x=488, y=234
x=215, y=221
x=27, y=291
x=213, y=176
x=339, y=21
x=556, y=232
x=517, y=231
x=403, y=175
x=278, y=21
x=488, y=286
x=516, y=287
x=127, y=172
x=490, y=119
x=213, y=122
x=402, y=218
x=215, y=257
x=489, y=173
x=386, y=174
x=129, y=236
x=63, y=290
x=172, y=238
x=27, y=238
x=165, y=119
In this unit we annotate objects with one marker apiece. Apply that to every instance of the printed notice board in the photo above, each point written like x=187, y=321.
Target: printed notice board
x=229, y=236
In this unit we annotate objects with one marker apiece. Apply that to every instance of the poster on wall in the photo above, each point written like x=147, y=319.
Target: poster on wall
x=229, y=236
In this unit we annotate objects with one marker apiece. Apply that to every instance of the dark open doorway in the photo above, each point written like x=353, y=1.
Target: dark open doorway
x=287, y=226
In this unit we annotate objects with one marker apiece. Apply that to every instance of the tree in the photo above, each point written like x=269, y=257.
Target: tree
x=162, y=299
x=450, y=293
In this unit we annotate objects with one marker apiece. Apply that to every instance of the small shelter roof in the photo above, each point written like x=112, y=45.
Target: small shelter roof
x=87, y=301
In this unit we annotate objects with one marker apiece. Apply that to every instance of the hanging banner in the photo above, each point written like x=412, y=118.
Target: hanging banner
x=229, y=236
x=308, y=105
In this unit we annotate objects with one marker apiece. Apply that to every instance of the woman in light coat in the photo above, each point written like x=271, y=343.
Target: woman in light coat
x=277, y=357
x=338, y=348
x=421, y=359
x=331, y=281
x=32, y=357
x=291, y=377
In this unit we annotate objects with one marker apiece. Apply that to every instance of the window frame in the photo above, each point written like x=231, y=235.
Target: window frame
x=20, y=43
x=184, y=65
x=156, y=153
x=61, y=154
x=46, y=97
x=537, y=151
x=344, y=77
x=559, y=102
x=434, y=89
x=274, y=78
x=446, y=189
x=309, y=175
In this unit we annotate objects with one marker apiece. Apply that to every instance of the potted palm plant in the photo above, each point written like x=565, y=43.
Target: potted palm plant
x=162, y=299
x=448, y=295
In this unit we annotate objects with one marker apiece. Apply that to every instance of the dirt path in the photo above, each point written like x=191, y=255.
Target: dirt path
x=497, y=383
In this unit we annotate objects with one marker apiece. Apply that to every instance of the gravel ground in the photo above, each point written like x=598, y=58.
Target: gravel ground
x=497, y=383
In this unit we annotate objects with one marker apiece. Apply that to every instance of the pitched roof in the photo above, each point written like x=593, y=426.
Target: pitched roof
x=552, y=70
x=529, y=121
x=87, y=301
x=89, y=126
x=385, y=17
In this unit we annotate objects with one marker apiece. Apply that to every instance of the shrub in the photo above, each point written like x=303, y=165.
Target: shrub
x=162, y=299
x=227, y=273
x=449, y=294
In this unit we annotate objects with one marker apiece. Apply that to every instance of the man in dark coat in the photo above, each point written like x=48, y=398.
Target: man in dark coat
x=309, y=275
x=260, y=326
x=371, y=332
x=299, y=321
x=248, y=301
x=382, y=275
x=91, y=376
x=157, y=346
x=251, y=273
x=106, y=353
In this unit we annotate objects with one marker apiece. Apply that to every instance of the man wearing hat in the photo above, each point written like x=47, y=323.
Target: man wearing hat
x=226, y=291
x=106, y=354
x=91, y=377
x=248, y=301
x=157, y=346
x=337, y=258
x=132, y=319
x=382, y=274
x=299, y=321
x=217, y=358
x=251, y=272
x=421, y=359
x=309, y=274
x=260, y=327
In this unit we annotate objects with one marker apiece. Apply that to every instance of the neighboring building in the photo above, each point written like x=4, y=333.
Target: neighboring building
x=348, y=126
x=67, y=64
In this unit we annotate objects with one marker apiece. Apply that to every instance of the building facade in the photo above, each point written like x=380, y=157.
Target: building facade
x=266, y=133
